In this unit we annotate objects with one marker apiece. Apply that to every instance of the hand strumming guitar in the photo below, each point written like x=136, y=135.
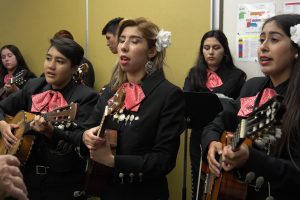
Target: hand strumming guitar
x=7, y=135
x=90, y=139
x=229, y=158
x=39, y=124
x=11, y=88
x=215, y=148
x=234, y=159
x=99, y=148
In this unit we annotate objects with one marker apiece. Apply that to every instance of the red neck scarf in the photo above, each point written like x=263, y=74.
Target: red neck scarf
x=47, y=101
x=247, y=103
x=134, y=96
x=213, y=80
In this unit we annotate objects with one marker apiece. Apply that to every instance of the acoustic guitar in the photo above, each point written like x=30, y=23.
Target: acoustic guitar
x=261, y=126
x=98, y=174
x=17, y=79
x=22, y=149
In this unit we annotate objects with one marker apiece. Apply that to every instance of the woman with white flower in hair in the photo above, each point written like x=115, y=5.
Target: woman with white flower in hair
x=275, y=168
x=149, y=122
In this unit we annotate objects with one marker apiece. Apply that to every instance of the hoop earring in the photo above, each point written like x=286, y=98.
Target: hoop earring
x=149, y=67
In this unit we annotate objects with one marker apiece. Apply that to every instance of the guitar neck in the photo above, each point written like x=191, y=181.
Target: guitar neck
x=56, y=117
x=63, y=114
x=113, y=105
x=239, y=136
x=100, y=133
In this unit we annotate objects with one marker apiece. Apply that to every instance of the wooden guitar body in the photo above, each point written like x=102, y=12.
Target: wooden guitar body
x=23, y=147
x=98, y=174
x=25, y=142
x=96, y=178
x=260, y=127
x=232, y=188
x=225, y=187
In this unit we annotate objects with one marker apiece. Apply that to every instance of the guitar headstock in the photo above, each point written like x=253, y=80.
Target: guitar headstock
x=81, y=71
x=263, y=123
x=18, y=79
x=115, y=103
x=65, y=114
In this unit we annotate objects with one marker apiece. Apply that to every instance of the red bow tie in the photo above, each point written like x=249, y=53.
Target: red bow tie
x=134, y=96
x=47, y=101
x=247, y=103
x=213, y=80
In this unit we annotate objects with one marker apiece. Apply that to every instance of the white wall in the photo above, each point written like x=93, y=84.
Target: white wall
x=229, y=28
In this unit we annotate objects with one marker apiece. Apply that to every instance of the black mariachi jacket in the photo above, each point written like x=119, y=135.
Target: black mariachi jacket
x=280, y=172
x=148, y=141
x=58, y=152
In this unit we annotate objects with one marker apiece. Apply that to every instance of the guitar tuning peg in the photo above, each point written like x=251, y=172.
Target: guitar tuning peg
x=261, y=124
x=278, y=132
x=259, y=143
x=74, y=124
x=116, y=116
x=61, y=127
x=268, y=112
x=68, y=124
x=254, y=128
x=272, y=138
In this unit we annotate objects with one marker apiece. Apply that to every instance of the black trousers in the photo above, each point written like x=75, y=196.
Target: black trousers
x=54, y=186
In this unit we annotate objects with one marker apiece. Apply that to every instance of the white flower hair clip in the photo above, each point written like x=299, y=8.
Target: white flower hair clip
x=295, y=34
x=163, y=40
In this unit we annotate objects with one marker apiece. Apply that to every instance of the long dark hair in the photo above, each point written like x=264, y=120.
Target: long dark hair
x=291, y=118
x=198, y=72
x=21, y=63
